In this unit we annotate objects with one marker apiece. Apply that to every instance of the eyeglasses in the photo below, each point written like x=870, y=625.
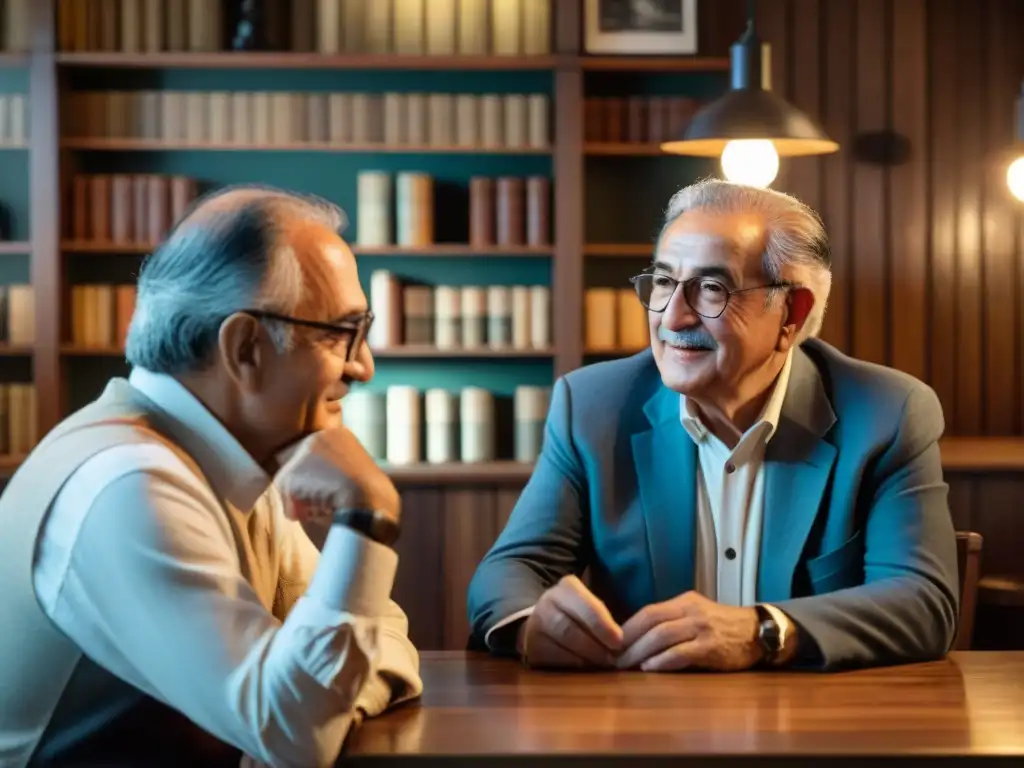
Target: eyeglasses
x=350, y=333
x=705, y=295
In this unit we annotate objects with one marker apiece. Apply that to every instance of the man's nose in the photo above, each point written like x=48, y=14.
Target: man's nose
x=360, y=367
x=679, y=314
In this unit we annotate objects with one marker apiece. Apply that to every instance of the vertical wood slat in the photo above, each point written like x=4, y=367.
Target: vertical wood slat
x=870, y=216
x=942, y=118
x=1000, y=211
x=908, y=244
x=772, y=21
x=804, y=178
x=969, y=90
x=44, y=185
x=838, y=70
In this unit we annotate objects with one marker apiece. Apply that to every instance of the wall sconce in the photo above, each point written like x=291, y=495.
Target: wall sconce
x=1015, y=173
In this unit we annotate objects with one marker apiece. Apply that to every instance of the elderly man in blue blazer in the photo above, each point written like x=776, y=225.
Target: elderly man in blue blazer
x=741, y=494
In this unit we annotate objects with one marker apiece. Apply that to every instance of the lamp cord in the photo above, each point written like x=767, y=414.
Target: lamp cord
x=751, y=12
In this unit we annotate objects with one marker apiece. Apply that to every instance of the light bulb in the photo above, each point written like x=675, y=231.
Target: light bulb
x=1015, y=178
x=751, y=161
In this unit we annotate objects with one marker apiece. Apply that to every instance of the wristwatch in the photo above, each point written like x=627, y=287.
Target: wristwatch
x=376, y=525
x=769, y=634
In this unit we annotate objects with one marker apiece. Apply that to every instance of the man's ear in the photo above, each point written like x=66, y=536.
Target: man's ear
x=241, y=350
x=798, y=307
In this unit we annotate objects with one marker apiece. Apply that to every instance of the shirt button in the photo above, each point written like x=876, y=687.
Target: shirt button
x=730, y=467
x=730, y=554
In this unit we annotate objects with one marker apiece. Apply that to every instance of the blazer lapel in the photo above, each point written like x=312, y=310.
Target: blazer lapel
x=666, y=461
x=798, y=464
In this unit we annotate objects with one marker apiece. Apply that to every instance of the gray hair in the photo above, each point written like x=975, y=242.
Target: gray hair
x=226, y=254
x=796, y=236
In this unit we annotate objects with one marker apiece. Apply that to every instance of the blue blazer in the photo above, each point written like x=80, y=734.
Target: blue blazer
x=858, y=545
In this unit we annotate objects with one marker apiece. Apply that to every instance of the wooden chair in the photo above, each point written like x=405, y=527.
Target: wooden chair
x=968, y=557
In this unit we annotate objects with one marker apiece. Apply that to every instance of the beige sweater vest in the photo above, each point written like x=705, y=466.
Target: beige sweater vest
x=54, y=702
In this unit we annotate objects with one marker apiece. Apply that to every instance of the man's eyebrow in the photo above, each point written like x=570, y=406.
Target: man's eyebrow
x=707, y=270
x=350, y=317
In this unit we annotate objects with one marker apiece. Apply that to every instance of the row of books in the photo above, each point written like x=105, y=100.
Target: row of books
x=100, y=314
x=404, y=425
x=637, y=119
x=514, y=120
x=13, y=120
x=441, y=27
x=126, y=209
x=17, y=315
x=14, y=25
x=614, y=320
x=18, y=419
x=513, y=317
x=399, y=208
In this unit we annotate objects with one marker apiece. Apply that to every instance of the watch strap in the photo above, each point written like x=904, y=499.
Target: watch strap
x=376, y=525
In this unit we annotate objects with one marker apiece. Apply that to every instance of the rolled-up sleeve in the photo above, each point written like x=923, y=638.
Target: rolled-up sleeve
x=154, y=592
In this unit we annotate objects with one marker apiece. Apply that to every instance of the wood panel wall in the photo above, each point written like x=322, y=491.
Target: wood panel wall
x=928, y=270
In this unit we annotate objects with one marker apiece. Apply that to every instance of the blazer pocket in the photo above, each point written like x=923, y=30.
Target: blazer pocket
x=840, y=568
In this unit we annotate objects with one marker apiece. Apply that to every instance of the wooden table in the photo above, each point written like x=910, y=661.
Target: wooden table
x=480, y=710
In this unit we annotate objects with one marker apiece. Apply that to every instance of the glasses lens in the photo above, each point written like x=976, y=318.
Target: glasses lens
x=706, y=297
x=655, y=291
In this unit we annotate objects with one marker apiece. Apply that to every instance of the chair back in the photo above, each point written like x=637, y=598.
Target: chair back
x=968, y=560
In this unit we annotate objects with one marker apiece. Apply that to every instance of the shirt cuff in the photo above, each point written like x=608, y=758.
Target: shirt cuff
x=355, y=574
x=491, y=641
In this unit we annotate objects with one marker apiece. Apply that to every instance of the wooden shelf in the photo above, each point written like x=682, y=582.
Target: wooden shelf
x=452, y=249
x=625, y=149
x=654, y=63
x=157, y=145
x=15, y=350
x=983, y=454
x=13, y=147
x=459, y=250
x=617, y=250
x=494, y=473
x=15, y=248
x=416, y=351
x=10, y=59
x=77, y=350
x=291, y=60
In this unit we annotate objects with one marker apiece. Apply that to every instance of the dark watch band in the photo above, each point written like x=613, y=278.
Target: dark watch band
x=769, y=634
x=375, y=525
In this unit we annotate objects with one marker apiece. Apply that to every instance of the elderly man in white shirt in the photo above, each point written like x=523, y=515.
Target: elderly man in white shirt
x=168, y=607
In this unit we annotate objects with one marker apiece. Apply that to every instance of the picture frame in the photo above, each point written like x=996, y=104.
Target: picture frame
x=638, y=27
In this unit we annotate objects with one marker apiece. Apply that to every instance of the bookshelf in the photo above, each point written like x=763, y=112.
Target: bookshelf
x=600, y=154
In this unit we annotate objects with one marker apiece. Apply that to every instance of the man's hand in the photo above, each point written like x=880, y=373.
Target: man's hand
x=331, y=470
x=690, y=631
x=569, y=627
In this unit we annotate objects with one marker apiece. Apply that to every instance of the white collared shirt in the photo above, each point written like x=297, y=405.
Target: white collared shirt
x=138, y=565
x=730, y=502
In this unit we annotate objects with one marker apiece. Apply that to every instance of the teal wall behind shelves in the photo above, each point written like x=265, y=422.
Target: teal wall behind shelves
x=14, y=191
x=334, y=176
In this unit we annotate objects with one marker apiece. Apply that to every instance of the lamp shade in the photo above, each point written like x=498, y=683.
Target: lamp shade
x=750, y=111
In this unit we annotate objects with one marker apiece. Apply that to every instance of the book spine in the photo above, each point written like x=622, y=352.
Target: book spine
x=159, y=208
x=536, y=27
x=506, y=27
x=121, y=208
x=339, y=120
x=447, y=317
x=182, y=192
x=441, y=27
x=416, y=110
x=378, y=27
x=316, y=118
x=517, y=125
x=473, y=27
x=404, y=422
x=353, y=26
x=408, y=22
x=365, y=413
x=394, y=119
x=99, y=198
x=304, y=26
x=414, y=207
x=615, y=120
x=467, y=120
x=634, y=332
x=530, y=408
x=476, y=418
x=600, y=333
x=418, y=305
x=657, y=119
x=474, y=317
x=373, y=212
x=442, y=426
x=538, y=211
x=328, y=26
x=540, y=317
x=636, y=126
x=386, y=331
x=593, y=120
x=441, y=123
x=520, y=317
x=510, y=220
x=499, y=317
x=491, y=123
x=539, y=120
x=481, y=211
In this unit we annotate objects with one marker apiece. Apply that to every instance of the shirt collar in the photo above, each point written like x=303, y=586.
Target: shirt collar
x=232, y=471
x=766, y=423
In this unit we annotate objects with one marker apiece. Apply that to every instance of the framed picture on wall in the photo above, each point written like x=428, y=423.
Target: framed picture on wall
x=641, y=26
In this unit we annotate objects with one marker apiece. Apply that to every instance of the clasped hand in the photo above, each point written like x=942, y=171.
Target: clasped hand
x=570, y=627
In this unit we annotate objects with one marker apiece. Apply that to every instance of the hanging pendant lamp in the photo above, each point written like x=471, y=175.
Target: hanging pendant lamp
x=750, y=127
